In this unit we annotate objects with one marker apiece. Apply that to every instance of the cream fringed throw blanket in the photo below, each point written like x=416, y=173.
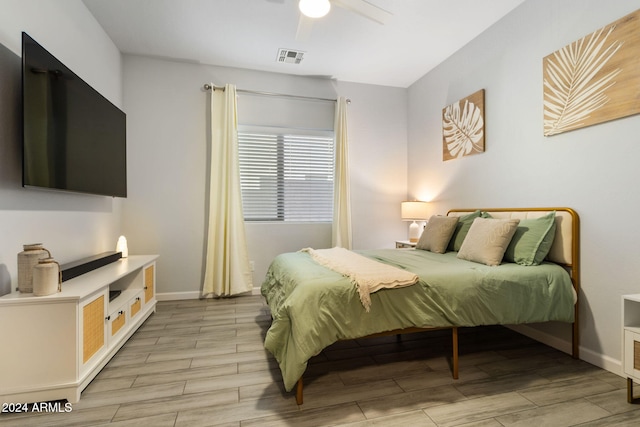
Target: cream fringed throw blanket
x=368, y=275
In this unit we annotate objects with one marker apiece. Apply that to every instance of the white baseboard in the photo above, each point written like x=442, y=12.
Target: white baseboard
x=601, y=361
x=174, y=296
x=543, y=337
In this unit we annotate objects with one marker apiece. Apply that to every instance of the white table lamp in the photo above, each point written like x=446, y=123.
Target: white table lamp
x=414, y=211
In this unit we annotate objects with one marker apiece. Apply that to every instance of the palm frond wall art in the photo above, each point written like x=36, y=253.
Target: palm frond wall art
x=594, y=79
x=463, y=127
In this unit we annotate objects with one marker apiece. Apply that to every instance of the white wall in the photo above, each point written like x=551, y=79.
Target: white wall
x=593, y=170
x=165, y=210
x=72, y=226
x=378, y=161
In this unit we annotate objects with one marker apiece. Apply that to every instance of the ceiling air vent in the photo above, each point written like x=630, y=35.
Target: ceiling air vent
x=289, y=56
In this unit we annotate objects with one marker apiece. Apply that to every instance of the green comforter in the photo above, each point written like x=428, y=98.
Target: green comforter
x=313, y=307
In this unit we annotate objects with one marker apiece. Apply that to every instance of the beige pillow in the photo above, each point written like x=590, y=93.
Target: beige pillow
x=487, y=240
x=436, y=235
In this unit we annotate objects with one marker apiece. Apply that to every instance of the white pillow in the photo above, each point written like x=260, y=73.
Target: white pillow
x=487, y=240
x=436, y=235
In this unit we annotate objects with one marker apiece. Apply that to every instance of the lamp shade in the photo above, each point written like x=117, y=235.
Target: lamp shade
x=414, y=211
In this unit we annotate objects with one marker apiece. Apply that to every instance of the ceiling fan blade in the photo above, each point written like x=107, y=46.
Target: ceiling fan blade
x=365, y=9
x=305, y=25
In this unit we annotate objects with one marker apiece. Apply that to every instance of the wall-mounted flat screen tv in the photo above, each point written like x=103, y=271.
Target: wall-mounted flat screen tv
x=74, y=139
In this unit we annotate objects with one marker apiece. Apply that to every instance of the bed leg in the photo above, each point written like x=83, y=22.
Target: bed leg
x=454, y=336
x=630, y=397
x=299, y=392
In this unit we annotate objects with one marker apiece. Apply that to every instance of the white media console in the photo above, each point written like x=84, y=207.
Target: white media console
x=51, y=347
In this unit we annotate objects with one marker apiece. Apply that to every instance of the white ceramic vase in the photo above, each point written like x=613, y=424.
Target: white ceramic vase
x=27, y=260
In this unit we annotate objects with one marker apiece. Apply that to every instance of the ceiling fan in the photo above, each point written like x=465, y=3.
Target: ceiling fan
x=311, y=10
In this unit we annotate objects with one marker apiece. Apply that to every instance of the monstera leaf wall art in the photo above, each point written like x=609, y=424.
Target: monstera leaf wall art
x=463, y=127
x=594, y=79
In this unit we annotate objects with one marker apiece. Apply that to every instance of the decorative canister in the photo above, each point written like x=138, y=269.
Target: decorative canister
x=47, y=277
x=27, y=259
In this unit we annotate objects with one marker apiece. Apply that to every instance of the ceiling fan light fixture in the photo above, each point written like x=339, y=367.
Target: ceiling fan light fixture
x=314, y=8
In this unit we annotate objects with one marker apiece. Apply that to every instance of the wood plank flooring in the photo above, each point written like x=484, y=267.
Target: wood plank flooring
x=202, y=363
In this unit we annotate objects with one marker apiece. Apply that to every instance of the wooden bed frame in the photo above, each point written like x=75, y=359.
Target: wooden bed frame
x=565, y=251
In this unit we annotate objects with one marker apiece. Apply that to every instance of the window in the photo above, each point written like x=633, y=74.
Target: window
x=286, y=175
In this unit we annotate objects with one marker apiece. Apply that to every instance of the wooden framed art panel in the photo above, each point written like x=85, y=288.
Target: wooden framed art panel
x=463, y=127
x=594, y=79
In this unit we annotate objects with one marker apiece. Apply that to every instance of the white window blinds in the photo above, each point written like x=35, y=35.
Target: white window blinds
x=286, y=175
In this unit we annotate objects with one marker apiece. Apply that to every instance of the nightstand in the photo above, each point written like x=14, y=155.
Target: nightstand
x=631, y=341
x=405, y=244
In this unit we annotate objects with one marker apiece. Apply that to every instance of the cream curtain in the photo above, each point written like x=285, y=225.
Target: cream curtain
x=227, y=270
x=341, y=230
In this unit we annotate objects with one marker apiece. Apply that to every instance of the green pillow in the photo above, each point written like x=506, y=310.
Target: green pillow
x=532, y=241
x=462, y=228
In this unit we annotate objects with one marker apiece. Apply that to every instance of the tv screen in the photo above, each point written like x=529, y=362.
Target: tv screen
x=74, y=139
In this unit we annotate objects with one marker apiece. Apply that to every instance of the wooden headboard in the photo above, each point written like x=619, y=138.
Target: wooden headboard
x=566, y=244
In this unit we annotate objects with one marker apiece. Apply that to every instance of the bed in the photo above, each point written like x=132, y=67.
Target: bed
x=313, y=306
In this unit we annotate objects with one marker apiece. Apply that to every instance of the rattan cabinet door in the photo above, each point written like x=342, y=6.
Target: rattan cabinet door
x=149, y=282
x=93, y=327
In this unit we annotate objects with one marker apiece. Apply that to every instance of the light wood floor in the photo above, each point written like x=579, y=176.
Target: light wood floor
x=202, y=363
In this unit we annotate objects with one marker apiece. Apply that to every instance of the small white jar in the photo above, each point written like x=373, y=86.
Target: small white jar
x=46, y=277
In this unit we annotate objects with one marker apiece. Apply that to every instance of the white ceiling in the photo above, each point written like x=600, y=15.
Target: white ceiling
x=343, y=45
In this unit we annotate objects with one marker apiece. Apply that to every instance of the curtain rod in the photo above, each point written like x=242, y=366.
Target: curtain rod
x=207, y=86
